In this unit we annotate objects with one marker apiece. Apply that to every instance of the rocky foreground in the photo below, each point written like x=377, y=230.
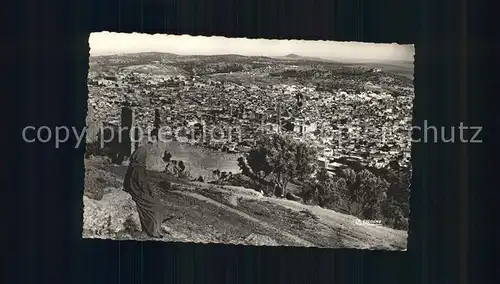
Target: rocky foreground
x=206, y=213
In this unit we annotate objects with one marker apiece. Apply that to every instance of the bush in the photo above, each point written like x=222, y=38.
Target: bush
x=166, y=185
x=328, y=191
x=381, y=194
x=325, y=190
x=167, y=157
x=394, y=217
x=308, y=192
x=362, y=194
x=396, y=208
x=243, y=181
x=367, y=193
x=181, y=165
x=224, y=175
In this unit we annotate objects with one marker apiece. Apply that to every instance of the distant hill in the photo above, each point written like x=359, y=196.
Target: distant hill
x=296, y=57
x=138, y=54
x=403, y=68
x=148, y=57
x=110, y=63
x=166, y=70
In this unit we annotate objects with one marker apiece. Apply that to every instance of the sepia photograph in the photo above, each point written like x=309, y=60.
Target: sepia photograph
x=255, y=142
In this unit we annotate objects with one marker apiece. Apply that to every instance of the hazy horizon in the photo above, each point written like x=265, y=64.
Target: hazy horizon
x=106, y=43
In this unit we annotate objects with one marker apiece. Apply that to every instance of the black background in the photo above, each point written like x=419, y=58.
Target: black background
x=45, y=54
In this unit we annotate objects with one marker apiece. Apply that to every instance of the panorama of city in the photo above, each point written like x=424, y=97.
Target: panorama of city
x=353, y=118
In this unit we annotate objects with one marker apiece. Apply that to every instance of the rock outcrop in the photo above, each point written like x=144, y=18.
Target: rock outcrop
x=98, y=179
x=114, y=214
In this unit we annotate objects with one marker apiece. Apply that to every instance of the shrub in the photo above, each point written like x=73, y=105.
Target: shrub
x=167, y=157
x=166, y=185
x=381, y=194
x=181, y=165
x=394, y=216
x=396, y=208
x=243, y=166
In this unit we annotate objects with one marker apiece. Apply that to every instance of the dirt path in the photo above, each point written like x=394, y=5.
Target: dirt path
x=246, y=216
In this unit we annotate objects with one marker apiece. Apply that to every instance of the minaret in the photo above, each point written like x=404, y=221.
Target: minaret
x=157, y=124
x=126, y=124
x=279, y=118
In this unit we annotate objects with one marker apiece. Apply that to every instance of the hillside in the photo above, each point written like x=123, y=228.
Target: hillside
x=208, y=213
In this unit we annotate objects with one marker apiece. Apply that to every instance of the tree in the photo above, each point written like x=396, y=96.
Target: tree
x=310, y=191
x=282, y=160
x=289, y=159
x=366, y=194
x=323, y=177
x=257, y=160
x=281, y=156
x=341, y=185
x=396, y=207
x=350, y=176
x=305, y=158
x=326, y=190
x=330, y=189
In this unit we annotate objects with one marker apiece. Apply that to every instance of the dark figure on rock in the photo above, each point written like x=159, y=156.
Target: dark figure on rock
x=136, y=184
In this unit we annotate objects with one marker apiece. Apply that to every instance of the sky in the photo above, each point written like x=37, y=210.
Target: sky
x=105, y=43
